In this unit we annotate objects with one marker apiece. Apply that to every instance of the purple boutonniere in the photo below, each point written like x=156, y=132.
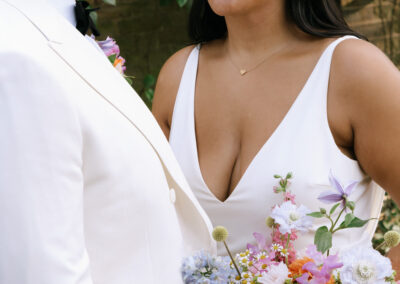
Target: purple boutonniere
x=112, y=51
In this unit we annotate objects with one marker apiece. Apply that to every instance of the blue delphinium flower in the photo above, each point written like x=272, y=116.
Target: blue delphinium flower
x=204, y=268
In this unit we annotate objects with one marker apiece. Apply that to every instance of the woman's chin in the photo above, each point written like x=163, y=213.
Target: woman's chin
x=234, y=7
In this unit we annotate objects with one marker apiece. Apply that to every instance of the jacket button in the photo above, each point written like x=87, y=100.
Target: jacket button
x=172, y=195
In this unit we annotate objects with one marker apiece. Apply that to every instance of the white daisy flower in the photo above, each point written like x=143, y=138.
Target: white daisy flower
x=261, y=255
x=364, y=265
x=276, y=247
x=284, y=252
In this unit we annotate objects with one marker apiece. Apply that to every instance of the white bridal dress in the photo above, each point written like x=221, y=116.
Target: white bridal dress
x=302, y=144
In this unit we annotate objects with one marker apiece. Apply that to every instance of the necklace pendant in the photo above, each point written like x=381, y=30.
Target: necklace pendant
x=243, y=71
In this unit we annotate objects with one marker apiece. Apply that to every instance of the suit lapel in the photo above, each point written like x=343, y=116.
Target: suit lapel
x=95, y=69
x=109, y=84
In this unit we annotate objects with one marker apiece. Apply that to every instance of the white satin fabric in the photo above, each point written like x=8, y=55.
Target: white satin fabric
x=302, y=144
x=90, y=191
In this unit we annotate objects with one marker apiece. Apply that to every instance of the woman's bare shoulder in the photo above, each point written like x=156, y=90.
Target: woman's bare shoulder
x=362, y=74
x=167, y=87
x=358, y=62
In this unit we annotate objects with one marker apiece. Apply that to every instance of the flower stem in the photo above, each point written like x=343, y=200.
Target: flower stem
x=380, y=245
x=330, y=219
x=233, y=261
x=287, y=250
x=332, y=230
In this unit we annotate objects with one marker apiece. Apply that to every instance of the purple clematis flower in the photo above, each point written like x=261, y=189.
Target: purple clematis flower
x=340, y=194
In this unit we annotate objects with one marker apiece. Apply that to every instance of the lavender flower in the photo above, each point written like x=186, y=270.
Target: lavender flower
x=204, y=268
x=340, y=194
x=109, y=46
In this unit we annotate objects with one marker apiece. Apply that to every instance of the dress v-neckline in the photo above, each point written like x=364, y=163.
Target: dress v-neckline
x=263, y=147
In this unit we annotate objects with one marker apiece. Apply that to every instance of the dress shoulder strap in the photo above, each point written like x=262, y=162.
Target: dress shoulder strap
x=323, y=68
x=184, y=100
x=316, y=88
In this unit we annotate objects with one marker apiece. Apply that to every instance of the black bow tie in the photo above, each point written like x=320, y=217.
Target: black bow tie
x=83, y=20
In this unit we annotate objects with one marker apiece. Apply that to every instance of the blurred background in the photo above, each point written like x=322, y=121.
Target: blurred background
x=150, y=31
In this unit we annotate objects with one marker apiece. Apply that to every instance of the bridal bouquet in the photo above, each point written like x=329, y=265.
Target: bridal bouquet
x=279, y=263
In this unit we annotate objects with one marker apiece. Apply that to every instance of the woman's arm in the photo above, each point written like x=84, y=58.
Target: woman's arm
x=167, y=88
x=367, y=86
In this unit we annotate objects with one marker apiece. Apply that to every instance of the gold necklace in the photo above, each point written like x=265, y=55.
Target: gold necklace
x=244, y=71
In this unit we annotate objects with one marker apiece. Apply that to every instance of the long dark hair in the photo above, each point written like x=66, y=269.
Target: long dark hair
x=320, y=18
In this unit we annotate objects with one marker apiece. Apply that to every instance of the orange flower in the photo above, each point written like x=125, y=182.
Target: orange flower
x=296, y=267
x=331, y=281
x=119, y=64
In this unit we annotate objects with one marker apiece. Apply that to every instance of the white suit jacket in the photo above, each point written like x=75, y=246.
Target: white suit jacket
x=90, y=192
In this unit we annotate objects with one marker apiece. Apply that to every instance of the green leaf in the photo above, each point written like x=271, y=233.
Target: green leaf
x=181, y=3
x=347, y=220
x=149, y=94
x=129, y=80
x=316, y=214
x=358, y=223
x=110, y=2
x=149, y=81
x=323, y=239
x=355, y=223
x=112, y=58
x=277, y=176
x=334, y=208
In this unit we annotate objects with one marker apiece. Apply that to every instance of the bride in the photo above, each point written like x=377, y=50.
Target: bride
x=278, y=86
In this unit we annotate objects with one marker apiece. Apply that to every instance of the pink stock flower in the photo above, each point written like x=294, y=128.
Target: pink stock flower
x=281, y=239
x=289, y=196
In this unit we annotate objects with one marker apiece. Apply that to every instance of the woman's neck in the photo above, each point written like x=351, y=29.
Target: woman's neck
x=259, y=32
x=64, y=8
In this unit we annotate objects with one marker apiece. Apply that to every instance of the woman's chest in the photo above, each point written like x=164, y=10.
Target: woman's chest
x=235, y=120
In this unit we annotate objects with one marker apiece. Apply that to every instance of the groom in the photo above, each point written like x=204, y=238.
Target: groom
x=90, y=192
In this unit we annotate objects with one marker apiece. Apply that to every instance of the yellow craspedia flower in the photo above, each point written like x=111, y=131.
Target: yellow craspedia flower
x=392, y=239
x=220, y=233
x=270, y=222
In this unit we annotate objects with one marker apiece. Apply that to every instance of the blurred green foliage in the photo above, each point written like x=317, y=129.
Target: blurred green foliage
x=389, y=220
